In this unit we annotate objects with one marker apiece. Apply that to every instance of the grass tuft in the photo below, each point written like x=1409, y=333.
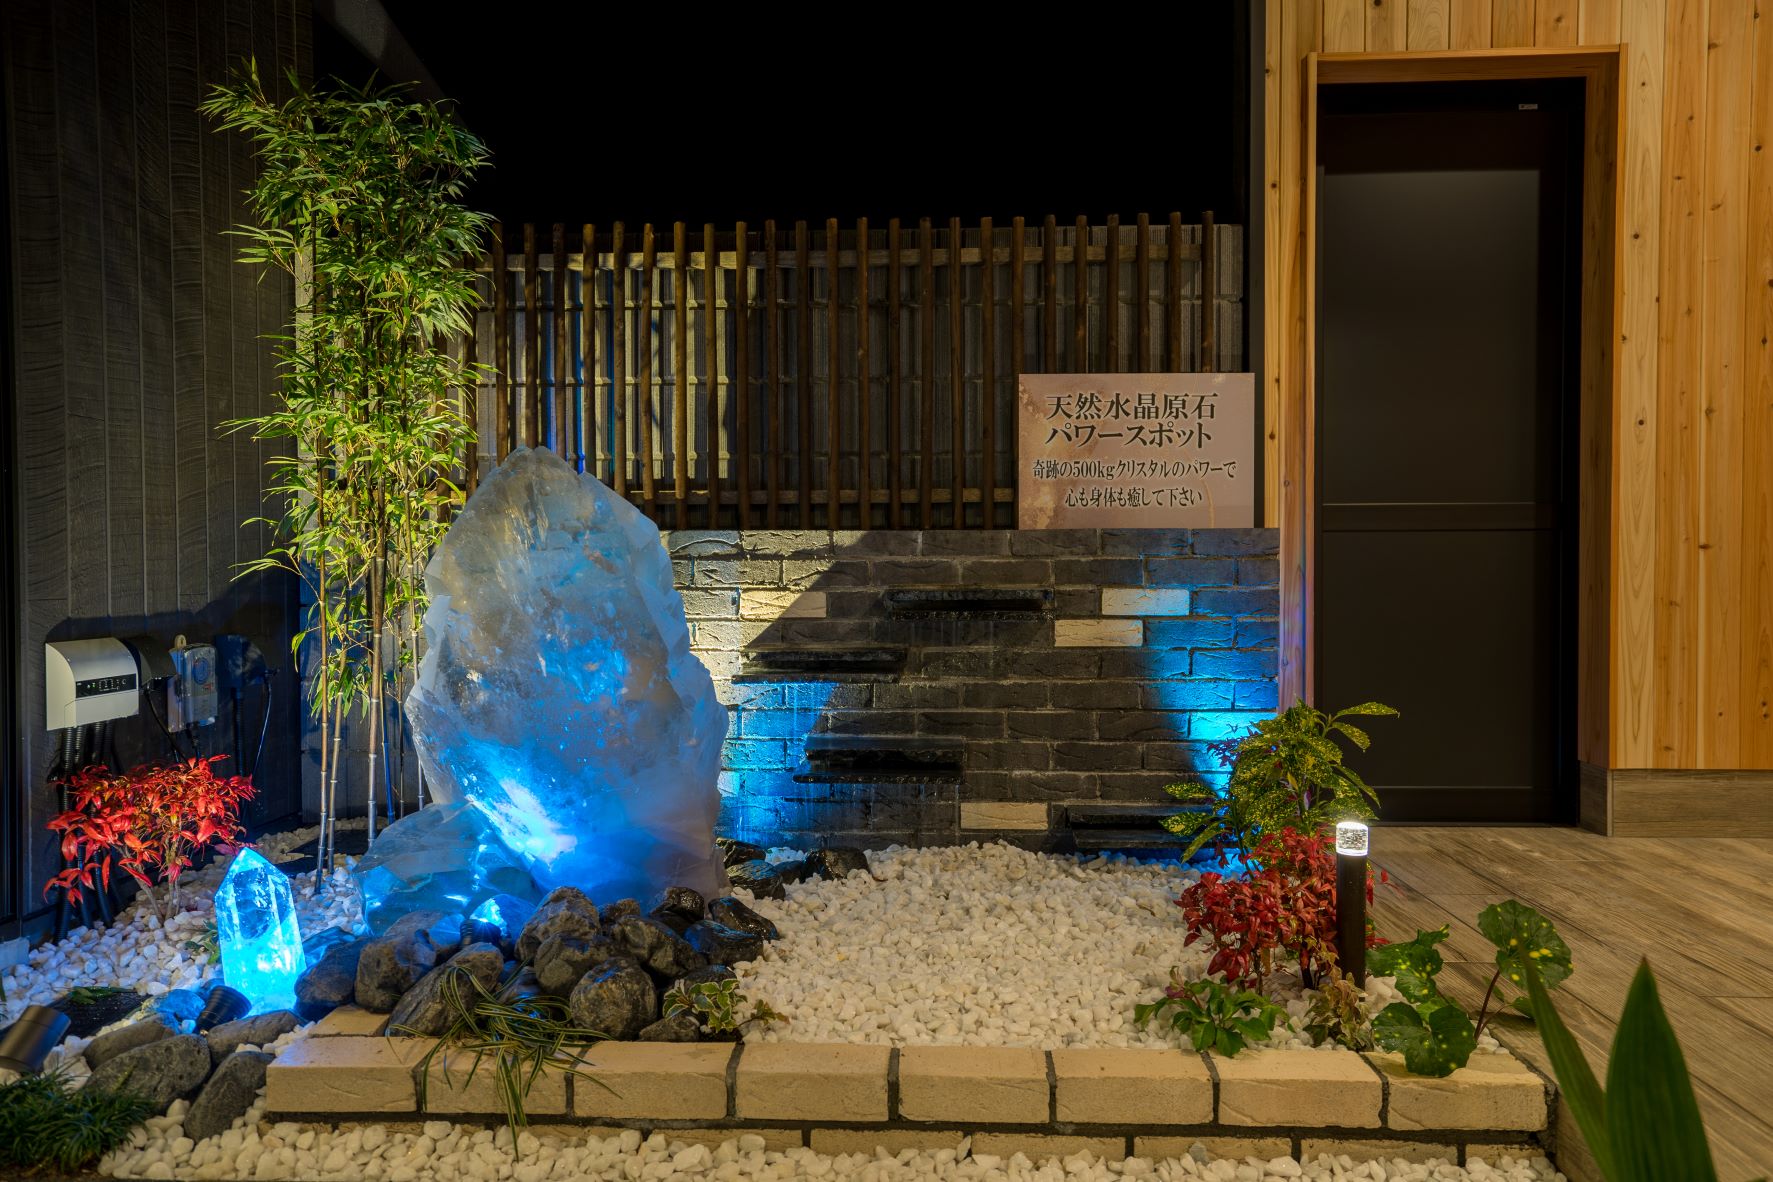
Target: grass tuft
x=47, y=1122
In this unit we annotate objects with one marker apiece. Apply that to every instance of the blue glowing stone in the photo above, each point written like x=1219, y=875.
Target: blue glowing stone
x=444, y=858
x=558, y=695
x=255, y=919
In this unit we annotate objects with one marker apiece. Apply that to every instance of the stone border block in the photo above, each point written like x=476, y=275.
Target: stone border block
x=1491, y=1093
x=1111, y=1086
x=455, y=1084
x=1298, y=1089
x=656, y=1080
x=1002, y=814
x=812, y=1081
x=1128, y=633
x=348, y=1020
x=346, y=1073
x=991, y=1085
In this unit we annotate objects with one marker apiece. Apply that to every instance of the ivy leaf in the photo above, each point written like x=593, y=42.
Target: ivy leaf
x=1414, y=963
x=1522, y=934
x=1435, y=1040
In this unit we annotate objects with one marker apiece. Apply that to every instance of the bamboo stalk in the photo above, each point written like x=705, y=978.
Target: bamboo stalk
x=618, y=263
x=1173, y=292
x=895, y=374
x=471, y=397
x=1142, y=295
x=531, y=417
x=803, y=372
x=588, y=458
x=1080, y=297
x=864, y=382
x=680, y=432
x=833, y=411
x=957, y=378
x=927, y=368
x=559, y=421
x=1049, y=274
x=1209, y=289
x=710, y=325
x=643, y=340
x=988, y=377
x=772, y=374
x=501, y=279
x=741, y=382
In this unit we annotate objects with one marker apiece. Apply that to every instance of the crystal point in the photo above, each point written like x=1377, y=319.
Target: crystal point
x=261, y=941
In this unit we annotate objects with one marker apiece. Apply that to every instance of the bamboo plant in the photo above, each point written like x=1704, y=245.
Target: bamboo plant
x=359, y=198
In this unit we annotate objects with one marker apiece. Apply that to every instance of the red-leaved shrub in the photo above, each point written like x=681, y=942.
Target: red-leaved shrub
x=1283, y=906
x=151, y=821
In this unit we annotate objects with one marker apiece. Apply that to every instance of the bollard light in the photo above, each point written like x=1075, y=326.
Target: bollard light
x=1352, y=838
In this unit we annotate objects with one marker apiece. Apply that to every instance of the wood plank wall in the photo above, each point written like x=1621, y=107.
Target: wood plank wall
x=1690, y=658
x=135, y=336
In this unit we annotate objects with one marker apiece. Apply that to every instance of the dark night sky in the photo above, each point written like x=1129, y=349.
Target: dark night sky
x=902, y=116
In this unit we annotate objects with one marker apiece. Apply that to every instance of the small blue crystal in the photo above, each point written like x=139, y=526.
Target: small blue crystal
x=255, y=919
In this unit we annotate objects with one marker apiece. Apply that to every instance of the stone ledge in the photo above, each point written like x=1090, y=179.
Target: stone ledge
x=985, y=1085
x=1131, y=1087
x=1491, y=1092
x=658, y=1080
x=1299, y=1089
x=812, y=1082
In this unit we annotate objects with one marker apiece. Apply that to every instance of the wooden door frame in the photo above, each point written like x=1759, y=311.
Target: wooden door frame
x=1602, y=69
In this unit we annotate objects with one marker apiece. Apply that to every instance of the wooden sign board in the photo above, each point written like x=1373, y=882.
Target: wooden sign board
x=1139, y=450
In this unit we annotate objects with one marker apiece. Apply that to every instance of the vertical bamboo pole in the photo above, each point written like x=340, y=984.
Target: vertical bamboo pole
x=643, y=340
x=988, y=373
x=741, y=381
x=588, y=457
x=772, y=370
x=1049, y=276
x=864, y=382
x=803, y=370
x=560, y=420
x=471, y=398
x=833, y=411
x=895, y=375
x=1209, y=290
x=1142, y=296
x=680, y=419
x=618, y=401
x=926, y=277
x=957, y=377
x=1173, y=292
x=1080, y=296
x=501, y=281
x=532, y=340
x=711, y=339
x=1111, y=297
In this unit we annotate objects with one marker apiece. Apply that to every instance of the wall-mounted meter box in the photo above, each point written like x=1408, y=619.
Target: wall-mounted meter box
x=191, y=693
x=88, y=681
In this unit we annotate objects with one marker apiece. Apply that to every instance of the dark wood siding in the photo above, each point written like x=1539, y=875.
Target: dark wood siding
x=134, y=336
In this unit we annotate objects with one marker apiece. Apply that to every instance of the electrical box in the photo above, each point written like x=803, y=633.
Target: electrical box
x=88, y=681
x=191, y=690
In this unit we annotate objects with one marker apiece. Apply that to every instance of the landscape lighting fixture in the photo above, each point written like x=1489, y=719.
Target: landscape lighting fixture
x=1352, y=842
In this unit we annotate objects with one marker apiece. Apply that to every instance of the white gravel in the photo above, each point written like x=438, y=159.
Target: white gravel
x=990, y=945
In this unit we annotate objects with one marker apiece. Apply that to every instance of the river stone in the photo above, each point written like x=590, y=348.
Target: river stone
x=331, y=983
x=256, y=1031
x=616, y=999
x=228, y=1094
x=723, y=945
x=620, y=909
x=558, y=692
x=656, y=946
x=679, y=1027
x=761, y=878
x=562, y=960
x=681, y=900
x=159, y=1072
x=565, y=912
x=178, y=1005
x=713, y=972
x=836, y=861
x=426, y=1008
x=734, y=914
x=733, y=852
x=389, y=966
x=127, y=1038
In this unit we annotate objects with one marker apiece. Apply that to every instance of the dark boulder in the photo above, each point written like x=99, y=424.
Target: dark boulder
x=256, y=1031
x=159, y=1072
x=656, y=946
x=620, y=909
x=679, y=1027
x=733, y=852
x=109, y=1045
x=227, y=1095
x=565, y=912
x=682, y=901
x=617, y=999
x=562, y=960
x=389, y=966
x=836, y=861
x=723, y=945
x=331, y=983
x=734, y=914
x=761, y=878
x=428, y=1008
x=713, y=972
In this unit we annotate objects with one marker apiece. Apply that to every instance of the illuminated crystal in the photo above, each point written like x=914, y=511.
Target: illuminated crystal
x=444, y=858
x=558, y=694
x=261, y=941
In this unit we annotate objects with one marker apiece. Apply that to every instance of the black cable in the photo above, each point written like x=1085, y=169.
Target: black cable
x=154, y=709
x=264, y=727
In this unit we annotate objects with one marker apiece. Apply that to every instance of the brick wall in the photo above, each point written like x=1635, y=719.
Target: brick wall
x=1147, y=645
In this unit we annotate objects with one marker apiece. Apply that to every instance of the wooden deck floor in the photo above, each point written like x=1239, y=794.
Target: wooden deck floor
x=1700, y=909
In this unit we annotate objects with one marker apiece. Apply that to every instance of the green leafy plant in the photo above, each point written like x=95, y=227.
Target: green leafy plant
x=716, y=1005
x=1338, y=1014
x=1288, y=771
x=1522, y=936
x=206, y=944
x=47, y=1122
x=358, y=198
x=86, y=995
x=1645, y=1126
x=1213, y=1015
x=517, y=1038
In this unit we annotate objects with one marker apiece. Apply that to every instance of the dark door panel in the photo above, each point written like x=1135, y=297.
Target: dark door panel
x=1446, y=395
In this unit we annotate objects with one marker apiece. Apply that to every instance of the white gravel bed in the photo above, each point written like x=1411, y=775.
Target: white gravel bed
x=990, y=945
x=442, y=1152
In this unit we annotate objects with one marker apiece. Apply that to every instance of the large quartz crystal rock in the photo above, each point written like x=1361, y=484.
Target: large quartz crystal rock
x=444, y=858
x=558, y=694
